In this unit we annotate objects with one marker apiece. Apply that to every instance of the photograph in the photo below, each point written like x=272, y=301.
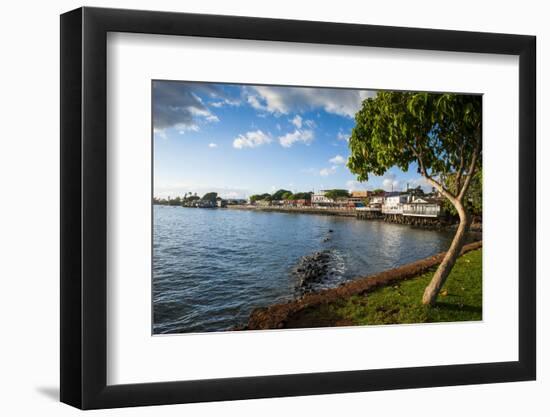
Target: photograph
x=253, y=209
x=284, y=207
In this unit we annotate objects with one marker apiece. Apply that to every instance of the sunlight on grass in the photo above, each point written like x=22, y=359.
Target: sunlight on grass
x=459, y=300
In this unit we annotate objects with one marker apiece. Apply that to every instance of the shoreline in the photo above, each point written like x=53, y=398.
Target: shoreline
x=277, y=316
x=297, y=210
x=441, y=225
x=352, y=213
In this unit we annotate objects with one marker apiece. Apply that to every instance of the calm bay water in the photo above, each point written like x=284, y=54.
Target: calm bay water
x=212, y=267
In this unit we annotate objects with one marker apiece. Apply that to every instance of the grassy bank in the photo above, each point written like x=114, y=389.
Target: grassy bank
x=459, y=300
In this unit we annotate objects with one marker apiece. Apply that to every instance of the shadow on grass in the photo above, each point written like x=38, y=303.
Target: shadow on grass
x=456, y=307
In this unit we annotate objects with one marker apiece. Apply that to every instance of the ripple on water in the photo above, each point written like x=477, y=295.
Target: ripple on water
x=212, y=267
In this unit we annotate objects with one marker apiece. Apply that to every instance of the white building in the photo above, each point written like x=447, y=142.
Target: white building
x=320, y=199
x=376, y=199
x=393, y=203
x=422, y=207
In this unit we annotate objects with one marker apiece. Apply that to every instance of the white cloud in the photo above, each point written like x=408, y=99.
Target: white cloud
x=343, y=136
x=255, y=103
x=232, y=194
x=204, y=113
x=178, y=104
x=325, y=172
x=310, y=123
x=175, y=189
x=182, y=128
x=283, y=100
x=354, y=185
x=337, y=160
x=420, y=181
x=297, y=121
x=159, y=133
x=212, y=145
x=390, y=183
x=251, y=139
x=305, y=136
x=226, y=102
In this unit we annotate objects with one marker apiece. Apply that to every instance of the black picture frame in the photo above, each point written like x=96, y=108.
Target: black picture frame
x=84, y=207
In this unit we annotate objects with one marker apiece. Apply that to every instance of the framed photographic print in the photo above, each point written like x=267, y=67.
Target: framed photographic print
x=257, y=208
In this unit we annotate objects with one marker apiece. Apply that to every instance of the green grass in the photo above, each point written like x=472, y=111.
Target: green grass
x=460, y=300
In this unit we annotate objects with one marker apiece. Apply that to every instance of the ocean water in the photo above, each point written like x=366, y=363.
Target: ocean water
x=212, y=267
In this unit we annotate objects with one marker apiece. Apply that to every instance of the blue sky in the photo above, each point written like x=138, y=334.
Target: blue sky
x=239, y=140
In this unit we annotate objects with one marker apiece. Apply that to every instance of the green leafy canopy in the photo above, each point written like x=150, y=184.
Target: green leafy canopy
x=336, y=194
x=440, y=132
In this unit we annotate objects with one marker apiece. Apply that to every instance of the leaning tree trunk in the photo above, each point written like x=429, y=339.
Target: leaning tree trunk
x=432, y=290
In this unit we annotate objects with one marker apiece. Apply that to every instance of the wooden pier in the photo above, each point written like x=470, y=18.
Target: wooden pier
x=431, y=222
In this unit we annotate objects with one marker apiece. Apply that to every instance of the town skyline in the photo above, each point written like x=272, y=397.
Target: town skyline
x=240, y=140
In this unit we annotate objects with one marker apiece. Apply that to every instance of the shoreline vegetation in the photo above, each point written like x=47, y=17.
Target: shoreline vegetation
x=413, y=207
x=389, y=297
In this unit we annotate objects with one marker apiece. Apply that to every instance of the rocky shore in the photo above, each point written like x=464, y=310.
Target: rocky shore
x=312, y=268
x=319, y=270
x=315, y=267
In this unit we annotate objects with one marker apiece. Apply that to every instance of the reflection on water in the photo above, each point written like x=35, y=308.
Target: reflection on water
x=211, y=267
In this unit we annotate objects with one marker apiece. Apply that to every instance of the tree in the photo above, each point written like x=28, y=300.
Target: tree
x=303, y=196
x=210, y=197
x=473, y=198
x=278, y=195
x=257, y=197
x=287, y=196
x=175, y=202
x=336, y=194
x=441, y=133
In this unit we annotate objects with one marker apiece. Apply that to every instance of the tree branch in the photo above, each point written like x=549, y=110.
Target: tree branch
x=441, y=189
x=458, y=178
x=471, y=169
x=429, y=178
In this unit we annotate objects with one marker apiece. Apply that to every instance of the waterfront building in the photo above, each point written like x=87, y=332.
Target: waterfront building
x=319, y=199
x=358, y=198
x=393, y=202
x=376, y=199
x=352, y=203
x=297, y=203
x=236, y=201
x=263, y=203
x=204, y=204
x=361, y=194
x=423, y=207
